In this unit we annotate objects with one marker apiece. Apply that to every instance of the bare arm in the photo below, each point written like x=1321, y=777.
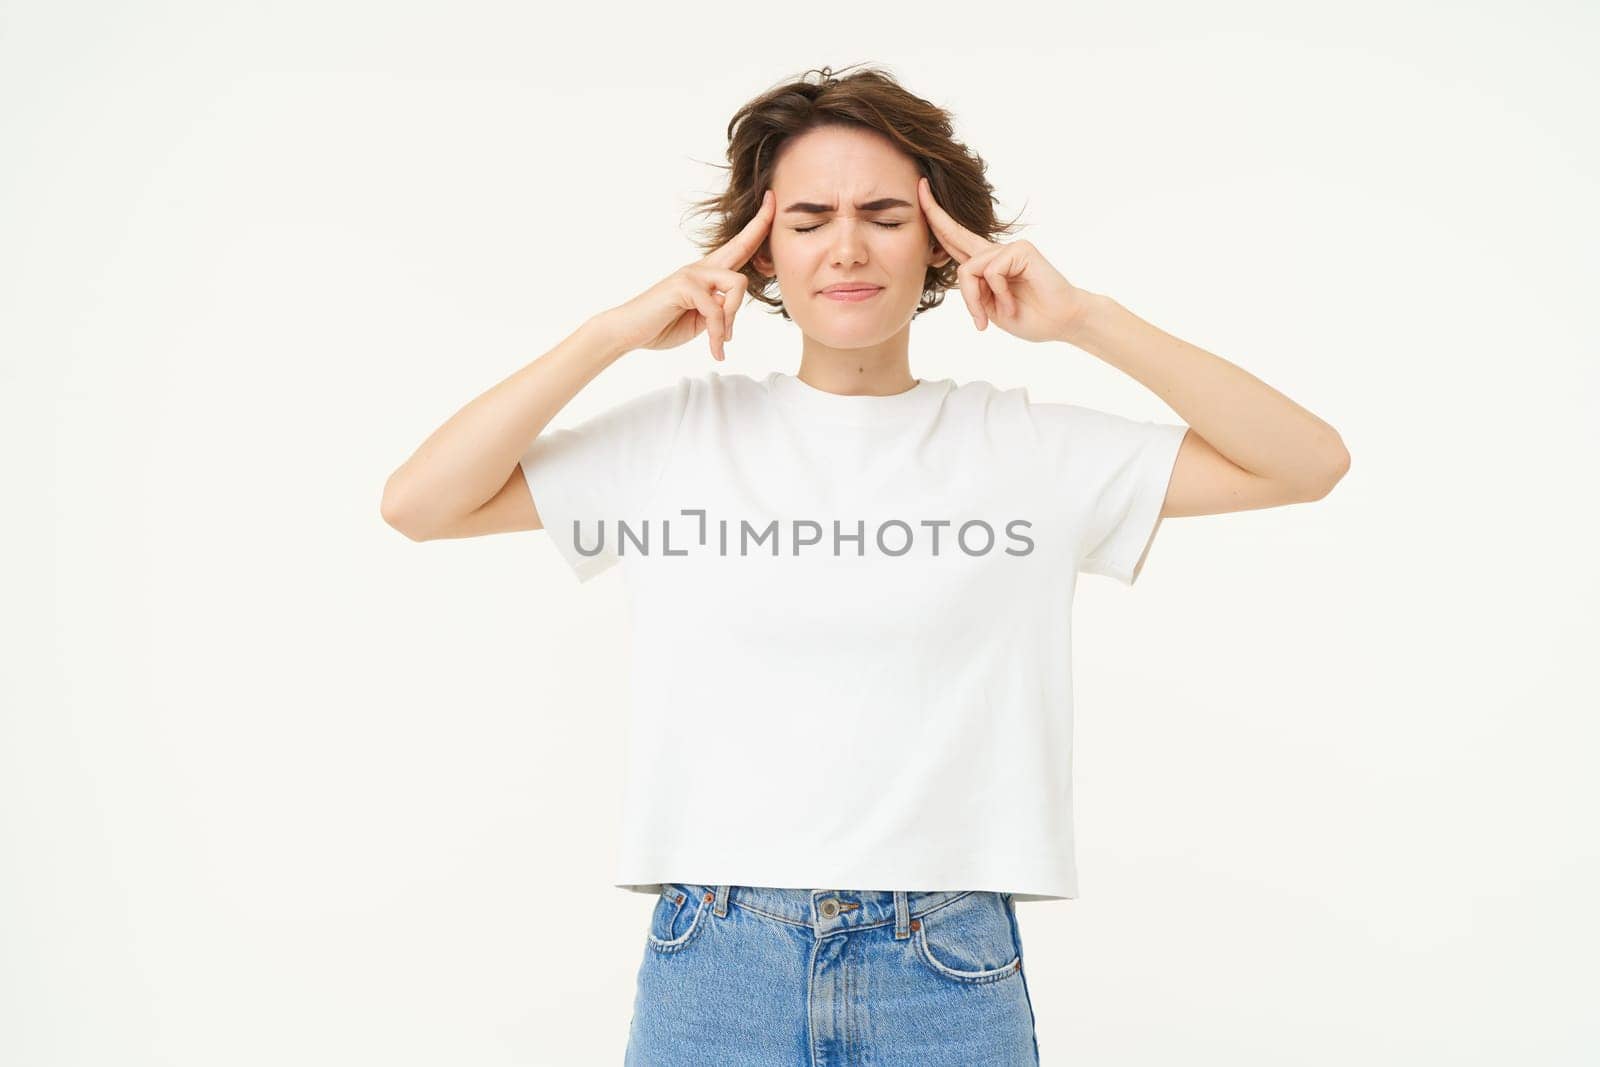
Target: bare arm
x=456, y=483
x=1249, y=446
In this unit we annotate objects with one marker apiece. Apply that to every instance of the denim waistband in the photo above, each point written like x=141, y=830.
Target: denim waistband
x=826, y=911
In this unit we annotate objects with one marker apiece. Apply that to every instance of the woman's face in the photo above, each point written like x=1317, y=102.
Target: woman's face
x=848, y=212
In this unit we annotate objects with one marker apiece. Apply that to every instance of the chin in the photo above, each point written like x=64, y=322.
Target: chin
x=847, y=335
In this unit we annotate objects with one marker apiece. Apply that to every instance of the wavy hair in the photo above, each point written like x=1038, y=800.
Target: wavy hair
x=871, y=99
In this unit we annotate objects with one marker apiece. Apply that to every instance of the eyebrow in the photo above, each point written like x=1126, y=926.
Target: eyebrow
x=881, y=204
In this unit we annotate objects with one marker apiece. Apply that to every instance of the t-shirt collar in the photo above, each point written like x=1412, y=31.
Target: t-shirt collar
x=808, y=399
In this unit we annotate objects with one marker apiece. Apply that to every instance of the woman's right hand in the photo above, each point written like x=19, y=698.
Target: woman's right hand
x=704, y=295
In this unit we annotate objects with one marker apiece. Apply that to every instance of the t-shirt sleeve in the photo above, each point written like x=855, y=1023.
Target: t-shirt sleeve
x=585, y=478
x=1115, y=472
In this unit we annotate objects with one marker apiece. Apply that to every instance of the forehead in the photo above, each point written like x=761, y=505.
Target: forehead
x=853, y=164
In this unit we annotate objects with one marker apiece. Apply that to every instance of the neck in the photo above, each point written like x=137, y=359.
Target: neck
x=883, y=369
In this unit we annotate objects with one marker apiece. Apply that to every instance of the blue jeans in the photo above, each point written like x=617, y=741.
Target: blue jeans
x=740, y=976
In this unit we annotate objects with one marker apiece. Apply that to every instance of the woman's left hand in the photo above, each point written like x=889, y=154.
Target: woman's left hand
x=1012, y=285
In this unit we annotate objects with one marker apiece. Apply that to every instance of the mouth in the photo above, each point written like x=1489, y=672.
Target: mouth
x=852, y=294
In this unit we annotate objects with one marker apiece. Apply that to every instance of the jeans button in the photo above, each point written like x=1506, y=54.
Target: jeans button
x=829, y=908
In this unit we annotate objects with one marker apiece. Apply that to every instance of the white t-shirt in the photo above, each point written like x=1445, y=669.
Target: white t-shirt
x=851, y=622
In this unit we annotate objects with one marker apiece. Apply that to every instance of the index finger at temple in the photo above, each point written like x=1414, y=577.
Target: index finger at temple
x=959, y=241
x=743, y=244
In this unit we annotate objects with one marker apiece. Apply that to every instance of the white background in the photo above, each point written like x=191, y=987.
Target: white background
x=279, y=786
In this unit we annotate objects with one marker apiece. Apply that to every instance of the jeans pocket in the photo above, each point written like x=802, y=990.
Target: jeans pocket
x=679, y=916
x=970, y=939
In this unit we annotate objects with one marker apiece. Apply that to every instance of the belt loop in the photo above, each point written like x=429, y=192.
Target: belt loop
x=902, y=915
x=721, y=910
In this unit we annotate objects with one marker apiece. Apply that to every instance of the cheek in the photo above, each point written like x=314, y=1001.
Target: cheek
x=785, y=250
x=910, y=257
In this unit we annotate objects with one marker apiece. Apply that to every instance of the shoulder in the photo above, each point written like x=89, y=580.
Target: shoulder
x=1011, y=409
x=717, y=388
x=986, y=401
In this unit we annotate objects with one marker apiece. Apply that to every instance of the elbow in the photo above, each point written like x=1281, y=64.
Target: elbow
x=399, y=514
x=1341, y=461
x=405, y=526
x=1337, y=467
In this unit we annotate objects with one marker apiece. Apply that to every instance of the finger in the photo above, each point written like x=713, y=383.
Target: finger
x=743, y=245
x=960, y=242
x=994, y=272
x=967, y=281
x=1002, y=294
x=710, y=308
x=727, y=287
x=734, y=289
x=985, y=300
x=989, y=269
x=716, y=324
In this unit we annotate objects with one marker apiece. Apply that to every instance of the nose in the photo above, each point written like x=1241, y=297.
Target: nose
x=848, y=245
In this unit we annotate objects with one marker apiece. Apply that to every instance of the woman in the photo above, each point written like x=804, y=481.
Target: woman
x=852, y=588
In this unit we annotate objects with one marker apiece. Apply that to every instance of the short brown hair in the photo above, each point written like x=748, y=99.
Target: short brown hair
x=868, y=99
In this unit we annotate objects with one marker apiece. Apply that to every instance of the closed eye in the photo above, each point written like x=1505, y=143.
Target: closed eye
x=885, y=225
